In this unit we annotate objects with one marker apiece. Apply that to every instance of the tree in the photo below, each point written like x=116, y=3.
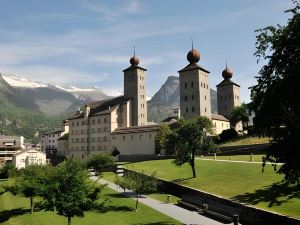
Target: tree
x=29, y=183
x=191, y=138
x=100, y=162
x=139, y=183
x=67, y=190
x=164, y=140
x=276, y=95
x=239, y=114
x=7, y=170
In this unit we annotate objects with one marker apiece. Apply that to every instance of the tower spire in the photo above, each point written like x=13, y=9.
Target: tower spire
x=226, y=63
x=134, y=50
x=192, y=42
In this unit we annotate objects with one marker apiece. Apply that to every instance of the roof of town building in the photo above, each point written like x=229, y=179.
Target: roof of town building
x=64, y=137
x=101, y=107
x=137, y=129
x=219, y=117
x=227, y=82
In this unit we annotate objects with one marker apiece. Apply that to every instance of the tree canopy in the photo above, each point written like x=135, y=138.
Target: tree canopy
x=239, y=114
x=100, y=162
x=276, y=95
x=192, y=136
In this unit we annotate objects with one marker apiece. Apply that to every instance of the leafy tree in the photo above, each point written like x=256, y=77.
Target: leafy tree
x=228, y=134
x=29, y=183
x=239, y=114
x=100, y=162
x=191, y=138
x=67, y=190
x=7, y=170
x=164, y=141
x=276, y=95
x=139, y=183
x=115, y=152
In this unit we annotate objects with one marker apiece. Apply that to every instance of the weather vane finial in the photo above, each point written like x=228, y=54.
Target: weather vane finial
x=192, y=42
x=226, y=63
x=134, y=50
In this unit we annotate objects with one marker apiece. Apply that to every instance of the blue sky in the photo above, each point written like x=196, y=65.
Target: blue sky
x=89, y=42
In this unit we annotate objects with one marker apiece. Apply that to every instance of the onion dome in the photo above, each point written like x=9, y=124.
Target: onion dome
x=134, y=61
x=193, y=56
x=227, y=73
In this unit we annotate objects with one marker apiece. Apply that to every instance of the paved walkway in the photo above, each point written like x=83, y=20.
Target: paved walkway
x=176, y=212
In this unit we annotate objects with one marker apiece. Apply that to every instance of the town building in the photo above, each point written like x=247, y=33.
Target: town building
x=9, y=145
x=49, y=140
x=63, y=145
x=27, y=157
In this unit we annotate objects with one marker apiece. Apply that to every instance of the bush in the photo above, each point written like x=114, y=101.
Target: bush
x=228, y=134
x=101, y=162
x=115, y=152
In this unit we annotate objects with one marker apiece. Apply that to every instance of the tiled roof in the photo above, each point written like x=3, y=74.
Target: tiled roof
x=192, y=66
x=64, y=137
x=137, y=129
x=101, y=107
x=134, y=67
x=219, y=117
x=227, y=82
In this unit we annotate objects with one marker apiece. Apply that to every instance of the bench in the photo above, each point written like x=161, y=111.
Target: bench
x=216, y=210
x=220, y=211
x=191, y=202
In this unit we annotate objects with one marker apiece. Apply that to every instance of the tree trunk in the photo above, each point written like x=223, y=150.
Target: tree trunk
x=31, y=205
x=137, y=202
x=69, y=220
x=192, y=163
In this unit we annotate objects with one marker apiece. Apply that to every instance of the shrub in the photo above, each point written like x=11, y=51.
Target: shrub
x=228, y=134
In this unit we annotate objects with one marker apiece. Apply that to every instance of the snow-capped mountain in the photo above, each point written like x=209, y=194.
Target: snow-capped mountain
x=53, y=99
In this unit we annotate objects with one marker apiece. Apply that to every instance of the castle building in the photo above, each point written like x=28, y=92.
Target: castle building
x=228, y=95
x=94, y=128
x=121, y=122
x=195, y=93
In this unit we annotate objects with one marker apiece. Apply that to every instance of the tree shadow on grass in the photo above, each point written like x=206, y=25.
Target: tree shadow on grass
x=124, y=195
x=109, y=208
x=275, y=194
x=7, y=214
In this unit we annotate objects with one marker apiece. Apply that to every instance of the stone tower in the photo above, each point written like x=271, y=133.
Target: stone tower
x=228, y=95
x=194, y=88
x=135, y=89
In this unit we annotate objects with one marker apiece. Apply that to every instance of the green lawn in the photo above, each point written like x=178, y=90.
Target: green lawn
x=118, y=210
x=160, y=196
x=256, y=158
x=243, y=182
x=245, y=140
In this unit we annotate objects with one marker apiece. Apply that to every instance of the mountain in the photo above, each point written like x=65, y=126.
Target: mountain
x=167, y=98
x=52, y=99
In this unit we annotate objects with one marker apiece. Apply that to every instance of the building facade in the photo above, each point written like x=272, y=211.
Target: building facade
x=28, y=157
x=92, y=126
x=49, y=140
x=228, y=95
x=9, y=145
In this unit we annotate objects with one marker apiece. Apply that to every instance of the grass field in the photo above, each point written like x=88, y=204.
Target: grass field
x=245, y=140
x=243, y=182
x=118, y=210
x=246, y=158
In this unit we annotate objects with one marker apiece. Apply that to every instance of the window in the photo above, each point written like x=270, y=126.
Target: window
x=185, y=98
x=186, y=109
x=185, y=85
x=193, y=109
x=225, y=97
x=205, y=109
x=105, y=120
x=93, y=121
x=150, y=136
x=99, y=120
x=228, y=96
x=201, y=84
x=141, y=137
x=204, y=85
x=221, y=98
x=192, y=84
x=123, y=138
x=193, y=97
x=204, y=97
x=131, y=137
